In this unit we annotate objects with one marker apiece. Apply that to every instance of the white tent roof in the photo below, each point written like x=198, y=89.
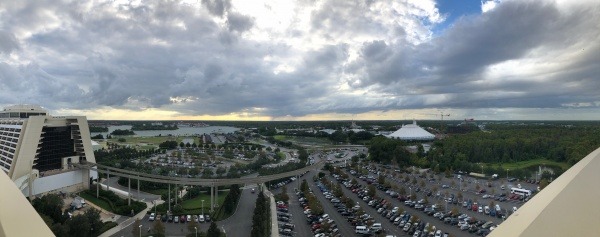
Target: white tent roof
x=411, y=132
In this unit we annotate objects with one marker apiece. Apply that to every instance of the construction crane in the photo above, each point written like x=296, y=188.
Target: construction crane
x=442, y=115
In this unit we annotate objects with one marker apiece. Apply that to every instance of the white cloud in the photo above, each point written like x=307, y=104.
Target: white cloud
x=297, y=58
x=489, y=5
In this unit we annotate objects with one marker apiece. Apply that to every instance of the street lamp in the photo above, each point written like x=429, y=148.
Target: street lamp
x=202, y=207
x=481, y=169
x=196, y=228
x=140, y=230
x=507, y=174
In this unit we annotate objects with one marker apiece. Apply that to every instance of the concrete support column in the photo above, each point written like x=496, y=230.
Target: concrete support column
x=107, y=178
x=212, y=198
x=98, y=186
x=129, y=191
x=216, y=195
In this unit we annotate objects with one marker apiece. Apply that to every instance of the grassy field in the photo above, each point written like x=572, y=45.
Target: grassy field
x=536, y=162
x=194, y=205
x=98, y=202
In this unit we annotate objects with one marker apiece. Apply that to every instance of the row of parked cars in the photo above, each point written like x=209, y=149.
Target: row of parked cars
x=412, y=225
x=320, y=225
x=179, y=218
x=415, y=227
x=284, y=219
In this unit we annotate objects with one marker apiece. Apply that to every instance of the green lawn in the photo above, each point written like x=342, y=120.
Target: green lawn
x=536, y=162
x=194, y=205
x=98, y=202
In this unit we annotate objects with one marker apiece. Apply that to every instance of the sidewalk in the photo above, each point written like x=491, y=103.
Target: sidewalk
x=127, y=222
x=274, y=226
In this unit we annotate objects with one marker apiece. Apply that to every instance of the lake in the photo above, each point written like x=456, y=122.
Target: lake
x=181, y=131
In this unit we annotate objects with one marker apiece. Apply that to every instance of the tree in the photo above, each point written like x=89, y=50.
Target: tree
x=93, y=218
x=181, y=144
x=402, y=191
x=60, y=230
x=207, y=173
x=213, y=230
x=50, y=205
x=135, y=231
x=543, y=183
x=192, y=227
x=79, y=226
x=221, y=171
x=158, y=228
x=371, y=191
x=381, y=179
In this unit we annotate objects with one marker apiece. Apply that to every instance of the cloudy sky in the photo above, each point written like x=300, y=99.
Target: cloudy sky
x=303, y=60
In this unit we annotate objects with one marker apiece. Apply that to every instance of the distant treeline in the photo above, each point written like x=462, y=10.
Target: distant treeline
x=98, y=129
x=502, y=143
x=141, y=127
x=124, y=132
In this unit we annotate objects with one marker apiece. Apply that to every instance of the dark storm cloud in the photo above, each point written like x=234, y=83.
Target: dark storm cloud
x=217, y=7
x=508, y=32
x=454, y=65
x=238, y=22
x=8, y=42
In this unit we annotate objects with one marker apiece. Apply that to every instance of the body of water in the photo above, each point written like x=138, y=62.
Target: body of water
x=182, y=131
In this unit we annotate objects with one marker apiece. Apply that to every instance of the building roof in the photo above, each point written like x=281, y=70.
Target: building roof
x=25, y=108
x=411, y=132
x=566, y=207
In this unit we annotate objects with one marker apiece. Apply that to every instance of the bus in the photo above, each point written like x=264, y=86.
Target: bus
x=520, y=191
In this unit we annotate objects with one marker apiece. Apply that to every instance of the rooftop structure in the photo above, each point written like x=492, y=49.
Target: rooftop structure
x=412, y=132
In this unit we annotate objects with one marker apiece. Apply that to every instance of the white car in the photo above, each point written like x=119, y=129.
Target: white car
x=152, y=216
x=201, y=218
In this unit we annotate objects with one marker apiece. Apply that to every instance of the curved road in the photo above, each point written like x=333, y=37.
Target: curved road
x=240, y=223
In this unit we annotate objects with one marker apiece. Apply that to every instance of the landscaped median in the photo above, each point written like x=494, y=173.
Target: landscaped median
x=109, y=201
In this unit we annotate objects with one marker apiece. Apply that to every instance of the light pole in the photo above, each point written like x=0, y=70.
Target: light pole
x=196, y=228
x=202, y=207
x=506, y=174
x=481, y=169
x=140, y=230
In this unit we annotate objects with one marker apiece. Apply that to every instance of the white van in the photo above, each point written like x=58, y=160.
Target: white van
x=376, y=227
x=361, y=229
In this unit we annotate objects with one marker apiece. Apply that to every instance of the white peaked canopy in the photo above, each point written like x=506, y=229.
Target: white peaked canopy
x=412, y=132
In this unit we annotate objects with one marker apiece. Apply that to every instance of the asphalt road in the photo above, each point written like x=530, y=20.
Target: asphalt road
x=240, y=223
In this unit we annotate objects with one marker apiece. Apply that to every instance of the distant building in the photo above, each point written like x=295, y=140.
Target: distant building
x=412, y=132
x=37, y=150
